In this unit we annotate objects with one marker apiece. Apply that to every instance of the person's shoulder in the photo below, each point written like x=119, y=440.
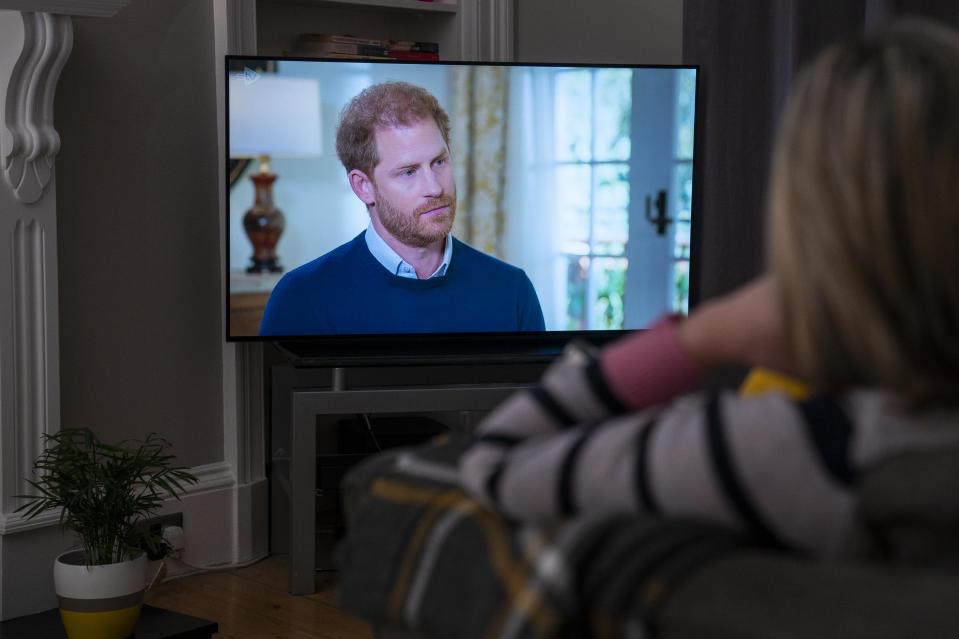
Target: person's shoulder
x=468, y=254
x=328, y=263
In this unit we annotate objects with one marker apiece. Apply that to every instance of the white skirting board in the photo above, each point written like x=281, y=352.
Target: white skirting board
x=225, y=525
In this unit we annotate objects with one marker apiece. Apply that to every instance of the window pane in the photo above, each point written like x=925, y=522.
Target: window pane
x=685, y=112
x=613, y=101
x=611, y=219
x=681, y=286
x=683, y=188
x=577, y=278
x=610, y=273
x=573, y=201
x=681, y=240
x=573, y=115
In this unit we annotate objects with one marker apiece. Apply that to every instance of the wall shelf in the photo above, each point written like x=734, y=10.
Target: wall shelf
x=464, y=29
x=279, y=22
x=440, y=6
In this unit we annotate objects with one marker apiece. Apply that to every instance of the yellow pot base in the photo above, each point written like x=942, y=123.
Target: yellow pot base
x=111, y=624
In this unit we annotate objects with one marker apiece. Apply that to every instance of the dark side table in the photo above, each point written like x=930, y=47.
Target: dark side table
x=154, y=623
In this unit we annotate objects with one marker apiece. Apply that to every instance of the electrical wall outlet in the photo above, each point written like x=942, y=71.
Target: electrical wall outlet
x=175, y=539
x=156, y=524
x=157, y=527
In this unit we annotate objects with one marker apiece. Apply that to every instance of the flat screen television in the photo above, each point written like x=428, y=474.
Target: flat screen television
x=581, y=177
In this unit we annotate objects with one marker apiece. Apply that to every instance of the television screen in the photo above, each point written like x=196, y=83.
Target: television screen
x=559, y=203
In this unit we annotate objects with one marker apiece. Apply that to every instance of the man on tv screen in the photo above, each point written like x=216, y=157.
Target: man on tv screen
x=405, y=273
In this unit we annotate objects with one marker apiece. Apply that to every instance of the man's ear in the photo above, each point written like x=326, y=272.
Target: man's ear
x=362, y=185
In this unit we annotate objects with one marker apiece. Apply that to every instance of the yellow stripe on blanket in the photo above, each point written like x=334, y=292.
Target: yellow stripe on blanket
x=512, y=574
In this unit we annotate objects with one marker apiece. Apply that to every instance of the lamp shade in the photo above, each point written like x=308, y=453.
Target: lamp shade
x=275, y=116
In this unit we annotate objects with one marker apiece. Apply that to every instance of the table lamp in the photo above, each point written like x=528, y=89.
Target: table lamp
x=270, y=116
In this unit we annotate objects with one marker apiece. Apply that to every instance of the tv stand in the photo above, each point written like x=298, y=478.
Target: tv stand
x=307, y=400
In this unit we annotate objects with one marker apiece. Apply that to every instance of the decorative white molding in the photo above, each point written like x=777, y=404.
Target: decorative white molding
x=244, y=428
x=468, y=19
x=16, y=522
x=250, y=429
x=499, y=31
x=241, y=27
x=93, y=8
x=211, y=477
x=33, y=49
x=31, y=377
x=28, y=141
x=486, y=30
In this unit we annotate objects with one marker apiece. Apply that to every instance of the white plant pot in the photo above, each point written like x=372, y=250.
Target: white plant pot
x=99, y=602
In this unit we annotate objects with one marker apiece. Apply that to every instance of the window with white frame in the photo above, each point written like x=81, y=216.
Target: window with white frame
x=683, y=185
x=601, y=144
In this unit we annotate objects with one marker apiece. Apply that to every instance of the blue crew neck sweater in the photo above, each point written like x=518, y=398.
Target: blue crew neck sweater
x=346, y=291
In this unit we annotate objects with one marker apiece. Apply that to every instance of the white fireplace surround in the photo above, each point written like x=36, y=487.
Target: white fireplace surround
x=35, y=42
x=34, y=45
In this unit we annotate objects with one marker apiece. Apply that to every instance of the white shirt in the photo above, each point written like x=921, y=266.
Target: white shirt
x=395, y=264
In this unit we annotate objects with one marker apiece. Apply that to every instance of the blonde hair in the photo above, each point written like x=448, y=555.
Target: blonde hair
x=383, y=105
x=863, y=226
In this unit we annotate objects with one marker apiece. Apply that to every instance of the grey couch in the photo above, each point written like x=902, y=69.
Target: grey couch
x=421, y=559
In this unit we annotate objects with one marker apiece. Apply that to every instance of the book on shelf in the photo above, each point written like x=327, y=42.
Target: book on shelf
x=413, y=55
x=324, y=48
x=340, y=46
x=412, y=45
x=342, y=56
x=316, y=38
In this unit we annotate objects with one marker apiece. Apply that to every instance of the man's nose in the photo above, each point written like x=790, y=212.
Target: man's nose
x=432, y=186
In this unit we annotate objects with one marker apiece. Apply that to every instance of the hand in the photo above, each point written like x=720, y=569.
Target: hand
x=742, y=327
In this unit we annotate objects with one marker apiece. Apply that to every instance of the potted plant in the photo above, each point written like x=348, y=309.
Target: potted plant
x=104, y=493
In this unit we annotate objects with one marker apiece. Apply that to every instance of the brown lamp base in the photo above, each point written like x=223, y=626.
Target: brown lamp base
x=263, y=225
x=264, y=266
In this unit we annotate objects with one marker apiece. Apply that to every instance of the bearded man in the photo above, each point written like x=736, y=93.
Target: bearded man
x=405, y=273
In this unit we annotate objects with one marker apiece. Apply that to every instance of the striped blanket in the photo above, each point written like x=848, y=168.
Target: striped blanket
x=421, y=554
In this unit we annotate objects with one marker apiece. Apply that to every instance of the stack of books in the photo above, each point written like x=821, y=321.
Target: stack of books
x=324, y=45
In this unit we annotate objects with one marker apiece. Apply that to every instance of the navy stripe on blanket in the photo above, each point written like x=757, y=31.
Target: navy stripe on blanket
x=493, y=481
x=600, y=388
x=567, y=473
x=551, y=406
x=643, y=488
x=498, y=439
x=719, y=450
x=831, y=433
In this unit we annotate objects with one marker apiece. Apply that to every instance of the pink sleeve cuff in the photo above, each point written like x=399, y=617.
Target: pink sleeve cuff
x=650, y=367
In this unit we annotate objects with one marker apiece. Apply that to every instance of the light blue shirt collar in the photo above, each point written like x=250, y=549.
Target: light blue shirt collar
x=395, y=264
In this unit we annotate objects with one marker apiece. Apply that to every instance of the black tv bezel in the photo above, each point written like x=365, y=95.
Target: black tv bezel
x=441, y=348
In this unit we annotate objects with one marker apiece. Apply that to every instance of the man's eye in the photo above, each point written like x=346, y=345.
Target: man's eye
x=440, y=162
x=408, y=172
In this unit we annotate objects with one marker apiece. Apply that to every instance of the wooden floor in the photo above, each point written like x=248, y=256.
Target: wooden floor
x=253, y=602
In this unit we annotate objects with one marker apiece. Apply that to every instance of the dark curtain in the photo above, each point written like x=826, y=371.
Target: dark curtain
x=749, y=52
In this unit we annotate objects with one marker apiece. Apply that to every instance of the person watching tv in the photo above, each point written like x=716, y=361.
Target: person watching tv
x=405, y=273
x=857, y=303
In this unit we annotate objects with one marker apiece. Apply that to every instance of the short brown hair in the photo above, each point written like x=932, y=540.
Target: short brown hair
x=383, y=105
x=864, y=215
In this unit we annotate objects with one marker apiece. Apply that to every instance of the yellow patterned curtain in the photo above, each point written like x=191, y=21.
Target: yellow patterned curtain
x=478, y=137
